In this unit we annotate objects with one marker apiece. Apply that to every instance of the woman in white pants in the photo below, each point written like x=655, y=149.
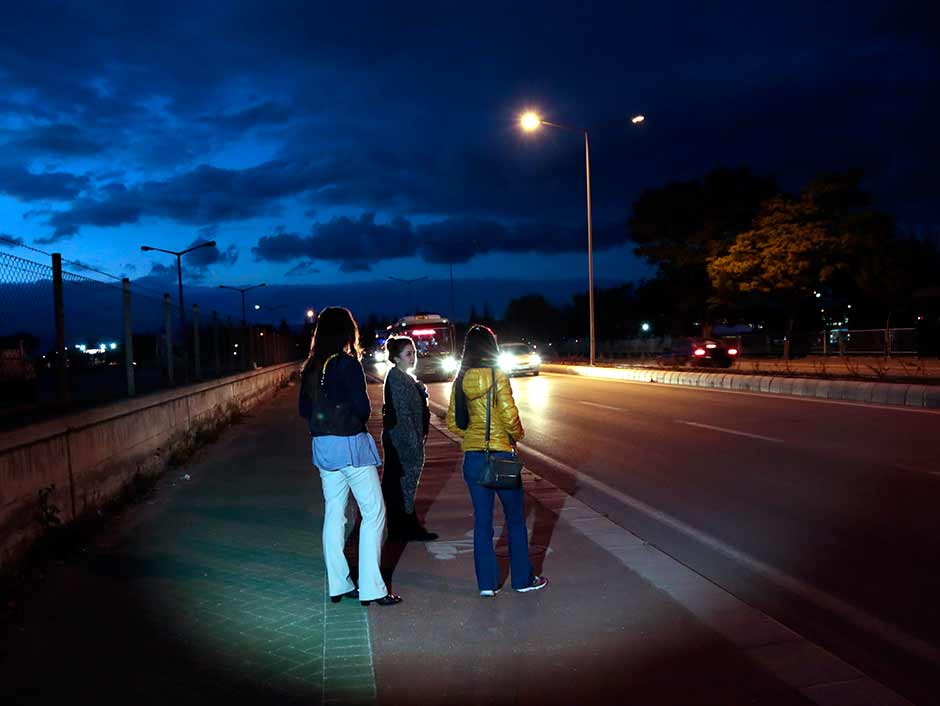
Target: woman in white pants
x=333, y=399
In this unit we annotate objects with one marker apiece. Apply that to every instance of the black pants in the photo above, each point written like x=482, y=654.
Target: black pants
x=391, y=487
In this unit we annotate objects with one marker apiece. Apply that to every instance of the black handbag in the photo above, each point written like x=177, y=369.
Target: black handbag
x=499, y=473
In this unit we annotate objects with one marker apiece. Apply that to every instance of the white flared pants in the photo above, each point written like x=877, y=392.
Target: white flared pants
x=363, y=481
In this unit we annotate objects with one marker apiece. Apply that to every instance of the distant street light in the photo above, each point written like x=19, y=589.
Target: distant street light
x=645, y=327
x=530, y=122
x=179, y=278
x=409, y=282
x=242, y=290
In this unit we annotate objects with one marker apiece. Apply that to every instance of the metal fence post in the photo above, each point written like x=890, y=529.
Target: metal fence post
x=128, y=337
x=216, y=363
x=61, y=352
x=197, y=363
x=168, y=325
x=825, y=336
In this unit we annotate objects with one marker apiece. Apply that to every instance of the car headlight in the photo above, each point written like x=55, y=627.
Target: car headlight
x=535, y=359
x=506, y=361
x=449, y=364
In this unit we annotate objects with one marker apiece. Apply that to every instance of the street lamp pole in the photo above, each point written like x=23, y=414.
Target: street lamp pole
x=409, y=282
x=242, y=291
x=530, y=122
x=179, y=281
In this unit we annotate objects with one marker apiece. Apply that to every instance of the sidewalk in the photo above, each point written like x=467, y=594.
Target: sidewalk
x=213, y=591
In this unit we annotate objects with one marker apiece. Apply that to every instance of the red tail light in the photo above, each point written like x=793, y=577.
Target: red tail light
x=732, y=351
x=698, y=351
x=423, y=332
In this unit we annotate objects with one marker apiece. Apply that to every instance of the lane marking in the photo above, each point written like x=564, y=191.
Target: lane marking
x=856, y=616
x=603, y=406
x=729, y=431
x=782, y=397
x=912, y=469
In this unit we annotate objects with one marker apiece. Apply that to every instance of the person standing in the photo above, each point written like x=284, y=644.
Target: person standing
x=466, y=417
x=334, y=400
x=405, y=422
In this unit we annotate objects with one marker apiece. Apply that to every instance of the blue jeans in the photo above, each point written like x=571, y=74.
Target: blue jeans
x=484, y=555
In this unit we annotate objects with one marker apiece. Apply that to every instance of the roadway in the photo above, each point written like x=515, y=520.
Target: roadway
x=822, y=514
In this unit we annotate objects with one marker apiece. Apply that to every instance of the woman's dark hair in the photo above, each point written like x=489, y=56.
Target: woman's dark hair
x=336, y=329
x=479, y=348
x=396, y=344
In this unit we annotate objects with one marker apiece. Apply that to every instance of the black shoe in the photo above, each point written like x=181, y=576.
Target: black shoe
x=390, y=599
x=351, y=594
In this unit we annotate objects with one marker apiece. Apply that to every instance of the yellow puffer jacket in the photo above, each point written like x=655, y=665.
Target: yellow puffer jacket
x=504, y=417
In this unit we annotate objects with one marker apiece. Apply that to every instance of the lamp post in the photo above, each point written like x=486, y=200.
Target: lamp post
x=530, y=122
x=179, y=278
x=409, y=282
x=242, y=290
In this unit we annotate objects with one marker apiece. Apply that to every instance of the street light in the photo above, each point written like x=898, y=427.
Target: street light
x=409, y=282
x=530, y=122
x=179, y=278
x=242, y=290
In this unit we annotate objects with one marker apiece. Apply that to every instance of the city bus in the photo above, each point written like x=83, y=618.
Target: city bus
x=436, y=343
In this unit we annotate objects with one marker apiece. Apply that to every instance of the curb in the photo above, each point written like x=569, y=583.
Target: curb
x=871, y=392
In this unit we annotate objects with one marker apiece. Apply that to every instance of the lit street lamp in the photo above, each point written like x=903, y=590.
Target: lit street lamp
x=530, y=121
x=179, y=278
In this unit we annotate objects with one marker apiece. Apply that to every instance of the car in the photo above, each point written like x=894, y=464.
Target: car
x=519, y=359
x=699, y=352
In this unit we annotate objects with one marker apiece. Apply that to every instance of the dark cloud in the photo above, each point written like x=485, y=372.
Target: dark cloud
x=56, y=139
x=10, y=239
x=203, y=257
x=267, y=113
x=301, y=269
x=355, y=244
x=22, y=184
x=358, y=244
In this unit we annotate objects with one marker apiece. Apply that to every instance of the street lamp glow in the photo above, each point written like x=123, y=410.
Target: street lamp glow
x=636, y=119
x=645, y=327
x=309, y=313
x=257, y=307
x=529, y=121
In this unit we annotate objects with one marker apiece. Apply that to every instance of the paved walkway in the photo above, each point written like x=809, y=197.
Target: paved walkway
x=213, y=591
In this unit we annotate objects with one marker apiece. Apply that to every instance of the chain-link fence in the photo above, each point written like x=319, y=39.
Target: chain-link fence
x=68, y=340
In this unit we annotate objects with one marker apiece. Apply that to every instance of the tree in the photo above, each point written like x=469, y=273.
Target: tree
x=794, y=247
x=679, y=226
x=532, y=316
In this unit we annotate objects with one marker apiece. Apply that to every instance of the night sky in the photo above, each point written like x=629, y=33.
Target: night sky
x=324, y=143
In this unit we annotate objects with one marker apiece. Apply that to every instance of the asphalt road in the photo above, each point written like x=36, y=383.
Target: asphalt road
x=824, y=515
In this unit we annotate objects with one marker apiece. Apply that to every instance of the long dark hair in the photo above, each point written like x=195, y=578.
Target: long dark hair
x=335, y=331
x=480, y=349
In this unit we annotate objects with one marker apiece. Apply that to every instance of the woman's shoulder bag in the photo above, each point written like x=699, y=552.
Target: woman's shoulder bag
x=499, y=473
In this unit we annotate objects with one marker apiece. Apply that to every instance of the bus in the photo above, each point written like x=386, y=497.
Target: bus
x=436, y=342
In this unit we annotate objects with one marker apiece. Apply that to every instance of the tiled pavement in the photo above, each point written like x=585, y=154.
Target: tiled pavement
x=211, y=590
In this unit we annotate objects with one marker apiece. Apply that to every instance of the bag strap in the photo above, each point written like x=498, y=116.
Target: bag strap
x=490, y=396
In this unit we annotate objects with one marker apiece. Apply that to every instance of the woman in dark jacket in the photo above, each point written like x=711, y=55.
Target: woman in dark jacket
x=405, y=427
x=333, y=399
x=479, y=375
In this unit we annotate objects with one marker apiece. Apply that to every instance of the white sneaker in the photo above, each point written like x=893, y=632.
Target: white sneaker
x=487, y=593
x=538, y=582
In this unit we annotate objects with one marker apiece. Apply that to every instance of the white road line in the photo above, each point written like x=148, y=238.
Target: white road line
x=856, y=616
x=768, y=395
x=730, y=431
x=603, y=406
x=912, y=469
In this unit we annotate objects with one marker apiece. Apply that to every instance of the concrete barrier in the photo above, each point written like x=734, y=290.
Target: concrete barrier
x=869, y=391
x=91, y=456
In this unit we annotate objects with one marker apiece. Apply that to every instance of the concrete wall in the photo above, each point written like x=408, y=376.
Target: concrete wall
x=90, y=456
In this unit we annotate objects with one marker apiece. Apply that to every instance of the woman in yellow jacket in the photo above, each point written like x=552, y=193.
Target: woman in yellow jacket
x=478, y=373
